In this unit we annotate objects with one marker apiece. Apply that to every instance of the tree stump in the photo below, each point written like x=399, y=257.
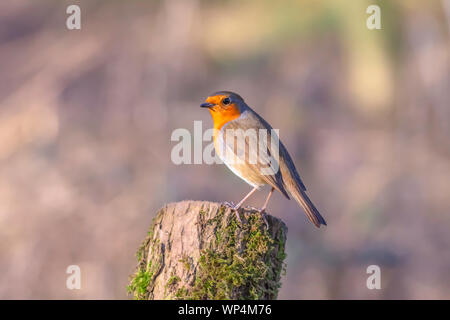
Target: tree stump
x=199, y=250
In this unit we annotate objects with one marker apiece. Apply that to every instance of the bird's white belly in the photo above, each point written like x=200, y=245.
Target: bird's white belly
x=228, y=157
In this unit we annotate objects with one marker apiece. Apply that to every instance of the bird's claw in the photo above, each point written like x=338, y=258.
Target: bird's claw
x=233, y=207
x=264, y=217
x=229, y=204
x=238, y=217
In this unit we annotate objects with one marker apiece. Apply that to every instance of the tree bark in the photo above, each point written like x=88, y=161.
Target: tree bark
x=199, y=250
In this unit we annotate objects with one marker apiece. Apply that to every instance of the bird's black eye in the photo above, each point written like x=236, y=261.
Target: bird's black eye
x=226, y=101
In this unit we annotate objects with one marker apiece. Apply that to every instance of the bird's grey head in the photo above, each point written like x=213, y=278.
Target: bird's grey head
x=225, y=98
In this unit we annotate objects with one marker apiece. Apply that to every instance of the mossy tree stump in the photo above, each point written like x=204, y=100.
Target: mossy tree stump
x=198, y=250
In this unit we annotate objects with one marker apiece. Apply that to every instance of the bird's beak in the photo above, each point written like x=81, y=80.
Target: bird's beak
x=206, y=105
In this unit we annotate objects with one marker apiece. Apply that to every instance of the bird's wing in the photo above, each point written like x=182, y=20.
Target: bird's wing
x=284, y=155
x=286, y=178
x=259, y=149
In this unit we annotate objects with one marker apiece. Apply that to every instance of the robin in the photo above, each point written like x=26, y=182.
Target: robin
x=233, y=119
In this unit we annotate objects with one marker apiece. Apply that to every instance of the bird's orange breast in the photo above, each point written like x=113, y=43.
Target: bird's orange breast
x=222, y=117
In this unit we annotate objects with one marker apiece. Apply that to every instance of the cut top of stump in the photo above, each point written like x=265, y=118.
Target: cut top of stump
x=199, y=250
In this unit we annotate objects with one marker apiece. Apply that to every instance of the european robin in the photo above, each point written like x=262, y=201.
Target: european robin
x=233, y=119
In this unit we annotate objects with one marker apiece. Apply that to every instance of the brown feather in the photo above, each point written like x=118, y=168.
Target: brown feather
x=286, y=180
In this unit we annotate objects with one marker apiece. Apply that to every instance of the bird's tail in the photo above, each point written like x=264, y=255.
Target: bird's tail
x=310, y=210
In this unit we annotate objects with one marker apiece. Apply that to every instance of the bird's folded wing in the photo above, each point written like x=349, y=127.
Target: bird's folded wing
x=252, y=143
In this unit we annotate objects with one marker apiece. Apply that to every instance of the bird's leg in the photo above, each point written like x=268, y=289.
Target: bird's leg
x=263, y=209
x=236, y=207
x=245, y=198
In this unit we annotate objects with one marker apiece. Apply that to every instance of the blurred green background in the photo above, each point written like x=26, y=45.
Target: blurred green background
x=86, y=118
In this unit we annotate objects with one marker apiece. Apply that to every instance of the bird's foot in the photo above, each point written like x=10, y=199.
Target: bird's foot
x=235, y=208
x=264, y=217
x=229, y=204
x=238, y=217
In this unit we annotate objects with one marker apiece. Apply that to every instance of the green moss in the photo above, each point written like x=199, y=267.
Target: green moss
x=152, y=228
x=173, y=280
x=202, y=213
x=185, y=262
x=250, y=265
x=143, y=276
x=139, y=284
x=182, y=294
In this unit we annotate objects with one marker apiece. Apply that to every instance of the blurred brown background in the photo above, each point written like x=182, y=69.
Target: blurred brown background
x=86, y=118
